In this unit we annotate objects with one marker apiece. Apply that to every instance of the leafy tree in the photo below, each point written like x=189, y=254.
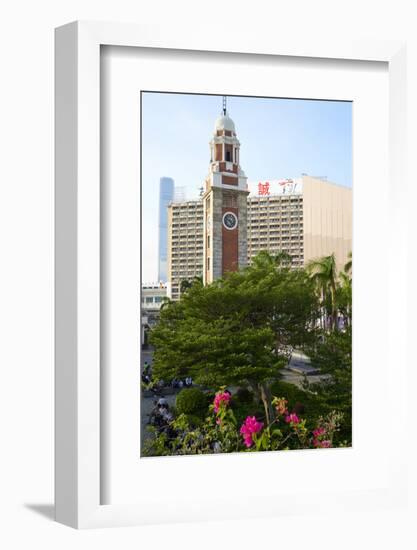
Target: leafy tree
x=165, y=302
x=186, y=283
x=238, y=330
x=332, y=354
x=191, y=401
x=281, y=259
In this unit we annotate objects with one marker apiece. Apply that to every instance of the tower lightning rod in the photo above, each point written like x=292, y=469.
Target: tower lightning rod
x=224, y=105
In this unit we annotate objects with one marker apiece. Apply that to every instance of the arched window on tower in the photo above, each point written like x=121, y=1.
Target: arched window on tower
x=229, y=153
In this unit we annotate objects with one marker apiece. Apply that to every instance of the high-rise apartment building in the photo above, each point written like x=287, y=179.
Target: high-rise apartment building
x=275, y=224
x=306, y=217
x=185, y=244
x=166, y=194
x=327, y=220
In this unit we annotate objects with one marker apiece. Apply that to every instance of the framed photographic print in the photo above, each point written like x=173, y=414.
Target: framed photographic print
x=211, y=332
x=246, y=298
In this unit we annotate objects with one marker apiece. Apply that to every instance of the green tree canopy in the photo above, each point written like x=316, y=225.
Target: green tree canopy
x=238, y=329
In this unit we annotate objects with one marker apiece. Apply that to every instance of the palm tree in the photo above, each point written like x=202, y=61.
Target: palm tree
x=323, y=272
x=265, y=259
x=344, y=296
x=345, y=291
x=165, y=302
x=348, y=264
x=283, y=259
x=185, y=285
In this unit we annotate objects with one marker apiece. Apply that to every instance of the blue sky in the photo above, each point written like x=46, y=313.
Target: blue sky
x=280, y=138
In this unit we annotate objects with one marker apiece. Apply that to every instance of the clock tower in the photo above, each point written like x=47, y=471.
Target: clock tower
x=225, y=203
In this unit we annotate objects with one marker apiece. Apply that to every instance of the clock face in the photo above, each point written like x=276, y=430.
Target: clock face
x=230, y=220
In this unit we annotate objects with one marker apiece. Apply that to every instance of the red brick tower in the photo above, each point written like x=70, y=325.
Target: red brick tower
x=225, y=203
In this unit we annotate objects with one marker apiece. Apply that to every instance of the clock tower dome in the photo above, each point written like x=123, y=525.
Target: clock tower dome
x=225, y=203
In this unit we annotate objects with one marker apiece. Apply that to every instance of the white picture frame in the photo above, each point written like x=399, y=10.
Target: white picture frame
x=78, y=405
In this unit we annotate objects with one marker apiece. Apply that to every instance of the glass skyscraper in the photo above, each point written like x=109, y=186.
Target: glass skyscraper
x=166, y=195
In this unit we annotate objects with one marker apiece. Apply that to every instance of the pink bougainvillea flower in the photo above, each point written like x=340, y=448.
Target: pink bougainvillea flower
x=221, y=397
x=249, y=428
x=292, y=419
x=320, y=443
x=325, y=444
x=318, y=438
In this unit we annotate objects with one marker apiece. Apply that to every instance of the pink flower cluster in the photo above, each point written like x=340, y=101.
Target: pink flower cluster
x=292, y=419
x=250, y=427
x=318, y=440
x=324, y=444
x=221, y=397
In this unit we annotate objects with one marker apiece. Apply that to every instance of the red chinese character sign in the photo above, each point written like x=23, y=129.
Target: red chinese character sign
x=263, y=188
x=287, y=186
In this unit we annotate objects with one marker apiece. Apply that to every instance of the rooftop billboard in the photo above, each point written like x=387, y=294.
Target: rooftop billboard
x=287, y=186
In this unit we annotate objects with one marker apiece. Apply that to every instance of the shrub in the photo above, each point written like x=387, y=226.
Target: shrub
x=221, y=432
x=242, y=410
x=191, y=401
x=299, y=408
x=291, y=392
x=299, y=401
x=194, y=421
x=210, y=395
x=312, y=406
x=244, y=395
